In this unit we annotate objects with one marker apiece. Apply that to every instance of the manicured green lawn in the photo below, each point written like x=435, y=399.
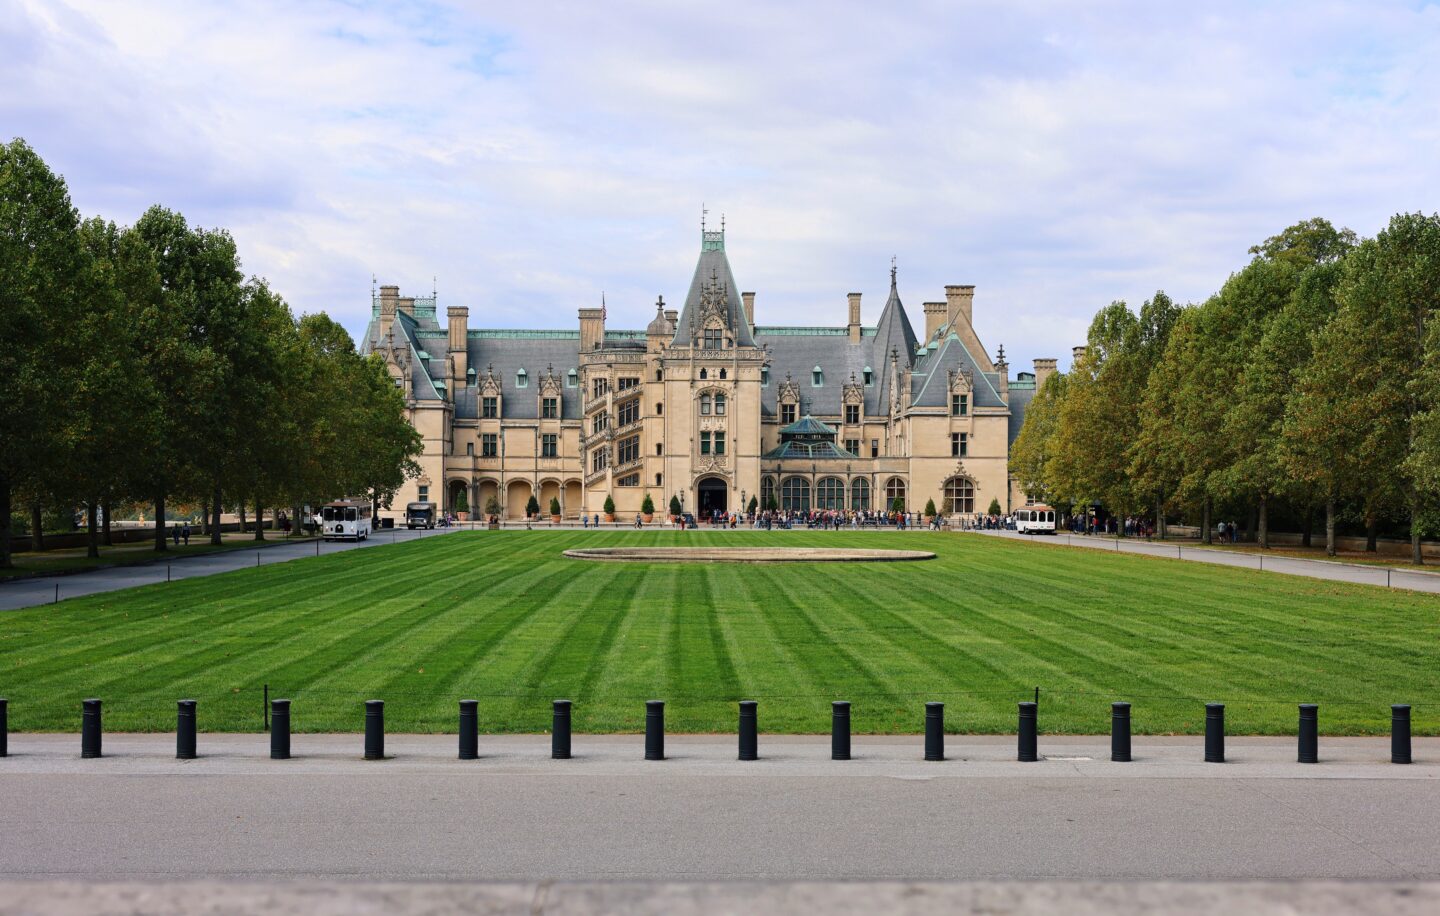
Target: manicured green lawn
x=503, y=618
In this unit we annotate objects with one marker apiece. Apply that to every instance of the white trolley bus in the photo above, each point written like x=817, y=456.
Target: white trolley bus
x=1035, y=520
x=345, y=519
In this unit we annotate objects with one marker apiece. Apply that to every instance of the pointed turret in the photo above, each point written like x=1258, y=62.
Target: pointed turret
x=713, y=282
x=893, y=334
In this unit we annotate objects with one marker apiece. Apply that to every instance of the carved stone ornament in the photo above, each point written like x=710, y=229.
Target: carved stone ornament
x=488, y=383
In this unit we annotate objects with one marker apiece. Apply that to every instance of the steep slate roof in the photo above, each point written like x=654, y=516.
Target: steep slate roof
x=892, y=332
x=931, y=376
x=797, y=351
x=713, y=264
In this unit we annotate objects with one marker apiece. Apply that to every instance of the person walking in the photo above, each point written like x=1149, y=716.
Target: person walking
x=185, y=533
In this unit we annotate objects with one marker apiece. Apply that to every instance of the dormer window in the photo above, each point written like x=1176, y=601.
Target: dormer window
x=764, y=376
x=469, y=378
x=817, y=377
x=572, y=379
x=869, y=376
x=714, y=339
x=521, y=379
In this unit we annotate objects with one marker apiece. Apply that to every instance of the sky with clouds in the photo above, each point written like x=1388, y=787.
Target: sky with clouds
x=532, y=155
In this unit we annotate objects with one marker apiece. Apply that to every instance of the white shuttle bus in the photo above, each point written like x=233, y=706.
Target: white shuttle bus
x=1035, y=520
x=345, y=519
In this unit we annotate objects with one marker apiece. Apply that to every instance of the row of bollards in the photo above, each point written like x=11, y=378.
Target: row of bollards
x=1027, y=749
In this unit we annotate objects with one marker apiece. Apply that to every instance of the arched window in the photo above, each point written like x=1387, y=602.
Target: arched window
x=817, y=377
x=722, y=373
x=767, y=491
x=860, y=494
x=894, y=489
x=830, y=493
x=959, y=495
x=795, y=494
x=659, y=375
x=521, y=379
x=704, y=405
x=704, y=373
x=720, y=404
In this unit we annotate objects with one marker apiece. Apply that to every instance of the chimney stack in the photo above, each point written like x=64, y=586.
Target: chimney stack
x=1044, y=368
x=749, y=300
x=934, y=318
x=459, y=316
x=959, y=302
x=854, y=318
x=388, y=297
x=1076, y=354
x=592, y=329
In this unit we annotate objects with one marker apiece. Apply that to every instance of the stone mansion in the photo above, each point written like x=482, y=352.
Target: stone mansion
x=706, y=406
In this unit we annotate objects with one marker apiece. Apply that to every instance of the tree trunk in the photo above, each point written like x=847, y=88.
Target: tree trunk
x=5, y=562
x=215, y=520
x=1205, y=521
x=1417, y=556
x=1309, y=523
x=37, y=528
x=1160, y=518
x=1264, y=522
x=105, y=522
x=92, y=540
x=160, y=545
x=259, y=520
x=1372, y=534
x=1330, y=527
x=205, y=520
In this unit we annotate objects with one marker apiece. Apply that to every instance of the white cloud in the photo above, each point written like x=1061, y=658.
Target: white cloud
x=1057, y=156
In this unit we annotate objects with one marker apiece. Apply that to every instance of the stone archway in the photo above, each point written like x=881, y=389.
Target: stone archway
x=549, y=489
x=486, y=491
x=712, y=494
x=517, y=494
x=570, y=502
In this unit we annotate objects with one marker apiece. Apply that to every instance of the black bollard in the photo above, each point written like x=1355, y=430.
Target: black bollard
x=560, y=730
x=185, y=730
x=1214, y=732
x=374, y=729
x=4, y=727
x=934, y=731
x=279, y=729
x=749, y=737
x=1120, y=732
x=1309, y=733
x=654, y=729
x=840, y=730
x=90, y=729
x=1028, y=743
x=1400, y=734
x=469, y=729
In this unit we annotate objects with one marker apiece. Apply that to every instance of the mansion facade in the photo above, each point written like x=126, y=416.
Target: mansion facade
x=706, y=406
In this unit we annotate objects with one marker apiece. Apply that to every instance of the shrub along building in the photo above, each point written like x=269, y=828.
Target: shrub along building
x=706, y=406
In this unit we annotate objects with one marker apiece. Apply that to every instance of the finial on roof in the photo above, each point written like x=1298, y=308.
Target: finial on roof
x=703, y=211
x=1001, y=357
x=722, y=221
x=892, y=271
x=434, y=287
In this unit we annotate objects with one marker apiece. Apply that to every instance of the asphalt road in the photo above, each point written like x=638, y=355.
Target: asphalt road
x=22, y=593
x=515, y=815
x=1389, y=577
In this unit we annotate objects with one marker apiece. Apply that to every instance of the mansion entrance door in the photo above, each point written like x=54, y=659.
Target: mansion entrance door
x=712, y=495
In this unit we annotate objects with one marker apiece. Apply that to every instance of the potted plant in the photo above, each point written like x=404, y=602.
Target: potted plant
x=554, y=510
x=674, y=508
x=462, y=506
x=609, y=509
x=647, y=509
x=929, y=511
x=994, y=507
x=754, y=504
x=532, y=508
x=492, y=512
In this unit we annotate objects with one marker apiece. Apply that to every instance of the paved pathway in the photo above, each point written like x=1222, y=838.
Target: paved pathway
x=1389, y=577
x=516, y=815
x=21, y=593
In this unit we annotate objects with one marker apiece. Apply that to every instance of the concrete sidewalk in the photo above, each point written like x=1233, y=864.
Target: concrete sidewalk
x=38, y=590
x=1384, y=576
x=517, y=816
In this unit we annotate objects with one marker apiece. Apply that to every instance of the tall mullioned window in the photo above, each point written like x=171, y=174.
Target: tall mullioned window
x=795, y=494
x=489, y=408
x=852, y=414
x=549, y=445
x=959, y=405
x=705, y=404
x=959, y=445
x=830, y=493
x=714, y=339
x=787, y=414
x=894, y=489
x=860, y=494
x=628, y=412
x=628, y=450
x=489, y=445
x=852, y=446
x=549, y=408
x=959, y=495
x=720, y=405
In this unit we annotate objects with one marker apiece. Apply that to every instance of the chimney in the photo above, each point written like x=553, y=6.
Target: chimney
x=854, y=318
x=388, y=296
x=1044, y=368
x=934, y=318
x=749, y=300
x=406, y=304
x=459, y=316
x=1076, y=354
x=592, y=329
x=959, y=302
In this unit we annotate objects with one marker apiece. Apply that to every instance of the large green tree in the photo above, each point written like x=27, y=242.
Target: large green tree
x=1034, y=448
